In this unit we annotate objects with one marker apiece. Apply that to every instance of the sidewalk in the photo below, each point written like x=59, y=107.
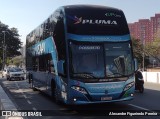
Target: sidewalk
x=6, y=105
x=153, y=86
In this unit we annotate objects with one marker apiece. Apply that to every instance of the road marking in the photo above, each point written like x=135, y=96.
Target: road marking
x=34, y=109
x=25, y=96
x=17, y=85
x=29, y=102
x=143, y=108
x=139, y=107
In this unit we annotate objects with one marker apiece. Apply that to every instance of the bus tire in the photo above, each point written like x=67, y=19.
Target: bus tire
x=34, y=89
x=54, y=92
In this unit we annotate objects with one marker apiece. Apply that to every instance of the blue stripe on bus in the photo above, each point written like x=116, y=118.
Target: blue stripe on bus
x=93, y=38
x=44, y=47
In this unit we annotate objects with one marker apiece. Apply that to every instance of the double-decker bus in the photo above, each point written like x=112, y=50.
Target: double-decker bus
x=82, y=54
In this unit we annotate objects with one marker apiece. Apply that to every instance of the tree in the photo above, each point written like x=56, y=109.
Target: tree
x=12, y=42
x=138, y=51
x=17, y=61
x=153, y=49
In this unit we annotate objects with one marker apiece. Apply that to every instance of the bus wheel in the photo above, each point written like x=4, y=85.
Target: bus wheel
x=54, y=92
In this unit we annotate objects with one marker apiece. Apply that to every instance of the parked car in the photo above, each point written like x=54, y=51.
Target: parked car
x=15, y=73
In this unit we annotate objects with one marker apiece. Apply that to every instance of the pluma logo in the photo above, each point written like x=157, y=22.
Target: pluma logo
x=96, y=21
x=77, y=20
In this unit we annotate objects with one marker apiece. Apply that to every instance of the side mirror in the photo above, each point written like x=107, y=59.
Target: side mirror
x=60, y=67
x=135, y=64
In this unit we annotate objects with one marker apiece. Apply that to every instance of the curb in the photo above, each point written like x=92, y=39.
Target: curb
x=6, y=105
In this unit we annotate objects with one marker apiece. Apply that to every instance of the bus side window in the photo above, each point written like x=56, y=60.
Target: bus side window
x=42, y=62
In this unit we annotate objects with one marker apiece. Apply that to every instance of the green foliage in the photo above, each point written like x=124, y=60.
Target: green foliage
x=153, y=49
x=138, y=50
x=12, y=41
x=17, y=61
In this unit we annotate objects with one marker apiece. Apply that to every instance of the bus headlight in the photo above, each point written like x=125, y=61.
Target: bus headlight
x=79, y=89
x=128, y=86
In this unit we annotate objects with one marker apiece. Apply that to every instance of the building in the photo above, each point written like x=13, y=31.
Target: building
x=146, y=29
x=155, y=26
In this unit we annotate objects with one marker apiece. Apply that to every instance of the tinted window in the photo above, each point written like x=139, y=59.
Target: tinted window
x=118, y=58
x=87, y=59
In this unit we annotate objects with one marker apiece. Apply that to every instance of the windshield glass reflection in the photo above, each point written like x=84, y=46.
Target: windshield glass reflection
x=89, y=60
x=118, y=59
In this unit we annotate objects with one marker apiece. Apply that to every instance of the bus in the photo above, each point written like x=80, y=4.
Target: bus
x=82, y=54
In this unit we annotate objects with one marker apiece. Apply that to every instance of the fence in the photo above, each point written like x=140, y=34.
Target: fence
x=153, y=77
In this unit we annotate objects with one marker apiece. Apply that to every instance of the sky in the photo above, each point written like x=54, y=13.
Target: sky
x=26, y=15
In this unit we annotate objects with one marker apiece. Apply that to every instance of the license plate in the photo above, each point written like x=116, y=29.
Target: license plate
x=106, y=98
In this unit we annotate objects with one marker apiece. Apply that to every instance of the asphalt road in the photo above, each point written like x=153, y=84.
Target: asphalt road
x=26, y=99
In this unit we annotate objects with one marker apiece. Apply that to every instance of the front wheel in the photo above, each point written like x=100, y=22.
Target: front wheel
x=54, y=93
x=53, y=90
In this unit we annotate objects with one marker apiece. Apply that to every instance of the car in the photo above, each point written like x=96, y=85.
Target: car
x=15, y=73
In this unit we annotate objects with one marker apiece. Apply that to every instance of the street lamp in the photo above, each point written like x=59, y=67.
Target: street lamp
x=4, y=48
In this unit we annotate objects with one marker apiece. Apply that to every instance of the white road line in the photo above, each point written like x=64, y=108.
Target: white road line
x=29, y=102
x=25, y=96
x=17, y=85
x=139, y=107
x=34, y=109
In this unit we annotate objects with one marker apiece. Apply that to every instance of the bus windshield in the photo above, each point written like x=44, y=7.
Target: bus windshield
x=87, y=60
x=108, y=60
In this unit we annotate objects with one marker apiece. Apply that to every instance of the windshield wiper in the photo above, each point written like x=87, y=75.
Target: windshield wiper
x=84, y=75
x=114, y=74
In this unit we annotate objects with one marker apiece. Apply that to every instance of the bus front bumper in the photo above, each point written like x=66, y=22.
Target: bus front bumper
x=78, y=98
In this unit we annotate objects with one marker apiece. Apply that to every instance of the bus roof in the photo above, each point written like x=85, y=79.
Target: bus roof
x=89, y=7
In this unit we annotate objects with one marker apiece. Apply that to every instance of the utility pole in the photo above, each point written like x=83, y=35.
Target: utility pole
x=4, y=49
x=143, y=41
